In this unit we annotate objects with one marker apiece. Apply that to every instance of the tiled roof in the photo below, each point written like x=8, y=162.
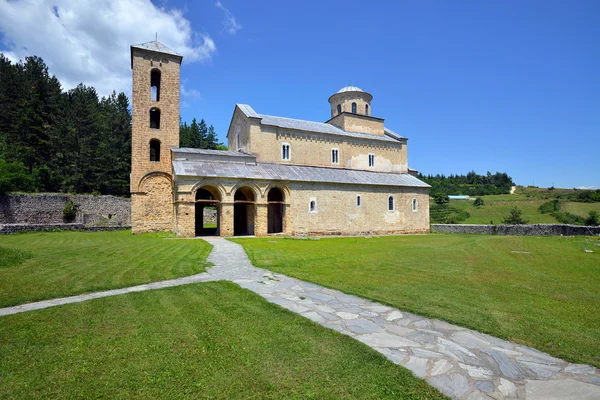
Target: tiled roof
x=311, y=126
x=211, y=152
x=298, y=173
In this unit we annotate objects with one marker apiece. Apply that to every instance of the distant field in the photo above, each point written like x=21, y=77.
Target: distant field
x=498, y=206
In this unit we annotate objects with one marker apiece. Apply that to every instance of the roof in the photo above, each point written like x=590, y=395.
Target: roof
x=297, y=173
x=312, y=126
x=155, y=46
x=350, y=89
x=211, y=152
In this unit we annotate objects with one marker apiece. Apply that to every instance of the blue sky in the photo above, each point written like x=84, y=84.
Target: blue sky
x=509, y=86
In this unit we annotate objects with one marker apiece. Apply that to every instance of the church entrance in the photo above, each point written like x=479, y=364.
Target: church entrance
x=207, y=211
x=243, y=212
x=275, y=211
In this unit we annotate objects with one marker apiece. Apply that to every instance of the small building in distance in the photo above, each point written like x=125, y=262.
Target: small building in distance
x=346, y=176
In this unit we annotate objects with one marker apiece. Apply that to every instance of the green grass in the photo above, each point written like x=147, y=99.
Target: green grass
x=547, y=299
x=38, y=266
x=582, y=209
x=209, y=340
x=495, y=210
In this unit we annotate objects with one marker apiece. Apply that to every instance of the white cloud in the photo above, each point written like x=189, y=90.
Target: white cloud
x=188, y=94
x=229, y=23
x=586, y=187
x=88, y=40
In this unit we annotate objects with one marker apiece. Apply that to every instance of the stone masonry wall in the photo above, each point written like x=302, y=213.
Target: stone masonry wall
x=47, y=208
x=518, y=230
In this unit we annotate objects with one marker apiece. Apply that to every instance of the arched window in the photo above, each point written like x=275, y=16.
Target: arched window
x=391, y=203
x=154, y=150
x=371, y=160
x=353, y=108
x=312, y=205
x=339, y=108
x=285, y=151
x=358, y=201
x=366, y=109
x=335, y=156
x=155, y=85
x=415, y=205
x=154, y=118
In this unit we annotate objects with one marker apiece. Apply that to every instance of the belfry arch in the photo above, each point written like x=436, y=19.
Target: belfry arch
x=207, y=211
x=244, y=211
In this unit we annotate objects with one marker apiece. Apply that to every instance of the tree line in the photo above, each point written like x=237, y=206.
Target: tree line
x=471, y=184
x=71, y=141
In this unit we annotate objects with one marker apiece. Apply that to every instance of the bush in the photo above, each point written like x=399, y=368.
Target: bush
x=515, y=217
x=440, y=198
x=479, y=202
x=593, y=218
x=568, y=218
x=549, y=207
x=70, y=211
x=445, y=214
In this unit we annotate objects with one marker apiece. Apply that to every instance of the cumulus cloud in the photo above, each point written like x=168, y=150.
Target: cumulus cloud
x=230, y=25
x=586, y=187
x=187, y=94
x=88, y=40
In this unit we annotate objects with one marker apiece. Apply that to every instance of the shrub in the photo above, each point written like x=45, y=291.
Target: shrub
x=514, y=217
x=479, y=202
x=70, y=211
x=549, y=207
x=593, y=218
x=441, y=198
x=568, y=218
x=445, y=214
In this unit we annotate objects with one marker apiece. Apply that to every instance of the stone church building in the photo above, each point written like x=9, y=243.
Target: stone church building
x=346, y=176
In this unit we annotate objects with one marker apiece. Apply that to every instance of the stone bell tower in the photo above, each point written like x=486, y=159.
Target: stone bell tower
x=155, y=129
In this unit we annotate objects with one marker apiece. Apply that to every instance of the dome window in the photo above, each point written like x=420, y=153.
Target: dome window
x=353, y=108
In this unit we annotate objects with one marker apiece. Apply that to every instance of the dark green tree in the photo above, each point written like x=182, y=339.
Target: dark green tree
x=514, y=218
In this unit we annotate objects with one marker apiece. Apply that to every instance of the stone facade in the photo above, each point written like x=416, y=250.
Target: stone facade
x=172, y=193
x=47, y=208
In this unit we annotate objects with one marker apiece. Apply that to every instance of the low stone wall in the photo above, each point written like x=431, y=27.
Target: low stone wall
x=15, y=228
x=47, y=208
x=518, y=230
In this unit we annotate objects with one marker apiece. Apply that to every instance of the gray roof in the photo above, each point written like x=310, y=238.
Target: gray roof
x=350, y=89
x=155, y=46
x=298, y=173
x=210, y=152
x=311, y=126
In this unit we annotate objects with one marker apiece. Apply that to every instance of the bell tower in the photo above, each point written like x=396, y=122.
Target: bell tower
x=154, y=130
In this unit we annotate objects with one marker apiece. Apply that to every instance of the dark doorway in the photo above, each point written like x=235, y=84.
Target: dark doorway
x=275, y=211
x=207, y=212
x=243, y=212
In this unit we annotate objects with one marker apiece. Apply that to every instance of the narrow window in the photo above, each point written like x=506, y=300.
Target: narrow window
x=415, y=205
x=285, y=151
x=366, y=109
x=358, y=201
x=391, y=203
x=339, y=108
x=238, y=141
x=154, y=118
x=154, y=150
x=155, y=85
x=312, y=205
x=353, y=108
x=371, y=160
x=335, y=156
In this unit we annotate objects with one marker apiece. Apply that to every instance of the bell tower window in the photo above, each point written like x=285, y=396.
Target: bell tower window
x=154, y=150
x=353, y=108
x=154, y=118
x=155, y=85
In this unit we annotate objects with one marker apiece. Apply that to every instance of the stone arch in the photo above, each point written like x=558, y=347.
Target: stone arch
x=244, y=210
x=284, y=189
x=207, y=210
x=275, y=209
x=217, y=189
x=157, y=201
x=141, y=183
x=256, y=192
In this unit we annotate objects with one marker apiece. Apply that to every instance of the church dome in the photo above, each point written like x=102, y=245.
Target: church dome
x=350, y=89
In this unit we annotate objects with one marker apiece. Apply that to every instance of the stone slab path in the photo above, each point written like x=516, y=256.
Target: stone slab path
x=462, y=363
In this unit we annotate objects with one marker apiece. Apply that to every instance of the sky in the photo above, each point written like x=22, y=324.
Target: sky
x=510, y=86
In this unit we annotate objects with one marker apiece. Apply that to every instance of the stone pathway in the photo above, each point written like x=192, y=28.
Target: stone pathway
x=462, y=363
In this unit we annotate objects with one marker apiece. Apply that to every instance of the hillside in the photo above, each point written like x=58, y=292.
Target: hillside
x=496, y=207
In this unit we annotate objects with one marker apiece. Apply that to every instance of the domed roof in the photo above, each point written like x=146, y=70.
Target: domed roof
x=350, y=89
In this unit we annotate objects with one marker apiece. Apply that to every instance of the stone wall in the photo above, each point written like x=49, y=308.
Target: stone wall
x=518, y=230
x=15, y=228
x=47, y=208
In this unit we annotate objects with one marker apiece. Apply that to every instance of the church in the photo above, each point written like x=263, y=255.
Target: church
x=348, y=175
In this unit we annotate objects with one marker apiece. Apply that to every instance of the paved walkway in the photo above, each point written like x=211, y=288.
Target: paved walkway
x=462, y=363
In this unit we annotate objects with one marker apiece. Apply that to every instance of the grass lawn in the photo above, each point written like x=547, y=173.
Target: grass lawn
x=209, y=340
x=498, y=207
x=38, y=266
x=547, y=299
x=582, y=209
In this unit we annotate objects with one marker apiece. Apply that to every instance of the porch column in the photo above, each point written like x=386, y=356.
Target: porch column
x=261, y=223
x=226, y=219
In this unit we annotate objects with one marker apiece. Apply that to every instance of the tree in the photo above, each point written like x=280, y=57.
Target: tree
x=514, y=217
x=479, y=202
x=211, y=139
x=441, y=198
x=593, y=218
